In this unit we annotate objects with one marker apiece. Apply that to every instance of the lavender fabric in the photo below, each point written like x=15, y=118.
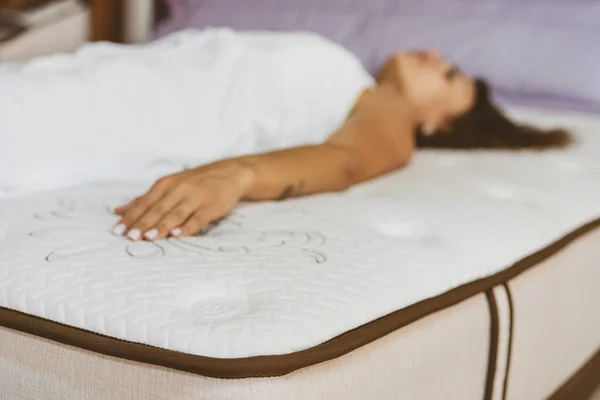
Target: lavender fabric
x=530, y=50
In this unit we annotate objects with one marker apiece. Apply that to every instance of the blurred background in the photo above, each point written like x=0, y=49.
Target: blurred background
x=33, y=28
x=30, y=28
x=540, y=53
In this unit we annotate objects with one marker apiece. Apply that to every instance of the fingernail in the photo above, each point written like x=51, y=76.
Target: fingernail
x=151, y=234
x=176, y=232
x=120, y=229
x=134, y=234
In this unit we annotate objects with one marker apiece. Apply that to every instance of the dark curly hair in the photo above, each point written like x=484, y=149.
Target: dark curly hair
x=485, y=126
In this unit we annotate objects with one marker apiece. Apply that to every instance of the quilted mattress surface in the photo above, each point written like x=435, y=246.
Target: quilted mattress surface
x=278, y=278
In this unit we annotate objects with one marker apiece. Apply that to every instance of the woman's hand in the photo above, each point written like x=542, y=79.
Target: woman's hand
x=185, y=203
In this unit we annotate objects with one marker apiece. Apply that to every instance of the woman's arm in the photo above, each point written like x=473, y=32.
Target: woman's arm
x=365, y=147
x=377, y=138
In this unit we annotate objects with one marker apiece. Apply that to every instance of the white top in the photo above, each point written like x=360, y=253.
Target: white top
x=275, y=278
x=138, y=112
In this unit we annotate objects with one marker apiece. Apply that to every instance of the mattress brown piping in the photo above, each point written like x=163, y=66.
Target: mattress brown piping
x=277, y=365
x=493, y=355
x=511, y=310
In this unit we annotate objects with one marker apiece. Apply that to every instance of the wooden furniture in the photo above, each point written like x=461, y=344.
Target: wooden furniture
x=107, y=20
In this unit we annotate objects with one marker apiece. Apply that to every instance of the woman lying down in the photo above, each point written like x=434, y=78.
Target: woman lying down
x=266, y=116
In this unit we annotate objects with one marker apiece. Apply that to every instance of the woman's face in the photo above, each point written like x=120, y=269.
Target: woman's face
x=438, y=90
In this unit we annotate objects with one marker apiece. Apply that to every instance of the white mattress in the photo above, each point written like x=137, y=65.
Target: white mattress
x=277, y=278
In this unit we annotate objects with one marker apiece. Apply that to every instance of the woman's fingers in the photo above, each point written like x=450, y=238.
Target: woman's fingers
x=140, y=206
x=178, y=205
x=122, y=209
x=198, y=221
x=170, y=204
x=169, y=212
x=171, y=220
x=133, y=214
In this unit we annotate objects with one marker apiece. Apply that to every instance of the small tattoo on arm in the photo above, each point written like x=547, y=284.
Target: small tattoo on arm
x=290, y=191
x=287, y=193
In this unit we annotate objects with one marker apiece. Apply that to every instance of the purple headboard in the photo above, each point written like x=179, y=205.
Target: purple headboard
x=528, y=49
